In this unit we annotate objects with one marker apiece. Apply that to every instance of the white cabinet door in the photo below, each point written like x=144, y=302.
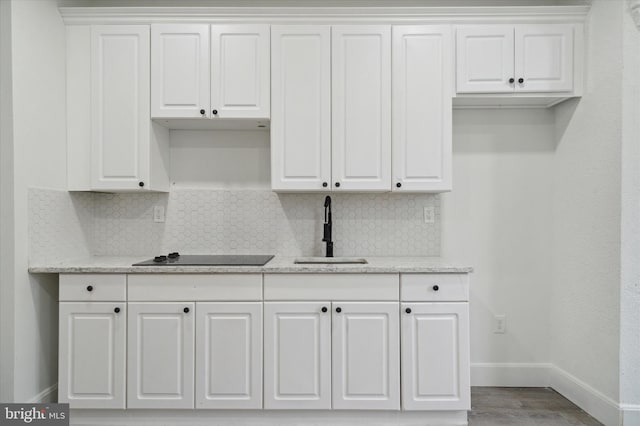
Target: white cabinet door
x=229, y=355
x=180, y=75
x=422, y=111
x=361, y=107
x=366, y=356
x=92, y=355
x=240, y=71
x=301, y=113
x=484, y=59
x=435, y=356
x=160, y=355
x=544, y=58
x=120, y=127
x=297, y=355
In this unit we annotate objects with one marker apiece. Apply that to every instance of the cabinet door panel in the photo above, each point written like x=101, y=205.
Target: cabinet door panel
x=422, y=70
x=544, y=57
x=435, y=356
x=366, y=356
x=301, y=115
x=240, y=71
x=361, y=101
x=180, y=64
x=297, y=355
x=229, y=355
x=119, y=106
x=92, y=355
x=160, y=355
x=484, y=59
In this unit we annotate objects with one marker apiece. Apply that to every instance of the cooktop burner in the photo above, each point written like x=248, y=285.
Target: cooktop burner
x=175, y=259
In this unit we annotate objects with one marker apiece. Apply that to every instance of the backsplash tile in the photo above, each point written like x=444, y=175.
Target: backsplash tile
x=246, y=221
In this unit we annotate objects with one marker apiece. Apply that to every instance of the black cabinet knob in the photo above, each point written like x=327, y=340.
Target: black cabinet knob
x=408, y=310
x=521, y=80
x=89, y=288
x=337, y=184
x=202, y=111
x=338, y=309
x=398, y=185
x=214, y=112
x=512, y=80
x=325, y=184
x=324, y=309
x=436, y=288
x=140, y=184
x=186, y=310
x=116, y=310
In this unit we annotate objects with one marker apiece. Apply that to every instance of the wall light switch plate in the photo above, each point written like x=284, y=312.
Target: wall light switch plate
x=500, y=324
x=429, y=214
x=158, y=214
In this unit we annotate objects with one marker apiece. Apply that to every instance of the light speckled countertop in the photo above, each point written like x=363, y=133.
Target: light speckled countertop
x=279, y=264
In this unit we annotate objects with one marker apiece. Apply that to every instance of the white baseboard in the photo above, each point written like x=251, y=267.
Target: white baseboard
x=598, y=405
x=630, y=414
x=510, y=374
x=49, y=394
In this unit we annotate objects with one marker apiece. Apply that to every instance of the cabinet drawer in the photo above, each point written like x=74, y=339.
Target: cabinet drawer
x=93, y=287
x=434, y=287
x=351, y=287
x=194, y=287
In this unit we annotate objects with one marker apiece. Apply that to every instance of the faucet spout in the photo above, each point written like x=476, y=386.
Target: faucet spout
x=328, y=223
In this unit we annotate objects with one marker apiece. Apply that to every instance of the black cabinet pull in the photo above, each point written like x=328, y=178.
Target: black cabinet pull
x=337, y=184
x=521, y=80
x=214, y=112
x=436, y=288
x=140, y=184
x=186, y=310
x=338, y=309
x=325, y=184
x=116, y=310
x=408, y=310
x=324, y=309
x=89, y=288
x=512, y=80
x=398, y=185
x=202, y=111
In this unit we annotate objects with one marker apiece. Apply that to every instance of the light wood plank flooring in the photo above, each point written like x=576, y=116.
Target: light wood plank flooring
x=524, y=407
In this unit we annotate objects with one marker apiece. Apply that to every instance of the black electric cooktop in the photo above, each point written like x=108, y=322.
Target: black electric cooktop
x=175, y=259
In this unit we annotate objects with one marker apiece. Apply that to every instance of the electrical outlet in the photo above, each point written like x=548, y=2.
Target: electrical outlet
x=429, y=214
x=158, y=214
x=500, y=324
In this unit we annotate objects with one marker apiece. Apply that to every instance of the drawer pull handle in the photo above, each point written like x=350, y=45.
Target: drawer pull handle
x=116, y=310
x=186, y=310
x=436, y=288
x=324, y=309
x=408, y=310
x=89, y=288
x=338, y=309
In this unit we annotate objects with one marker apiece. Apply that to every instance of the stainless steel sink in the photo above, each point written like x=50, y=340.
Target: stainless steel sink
x=330, y=261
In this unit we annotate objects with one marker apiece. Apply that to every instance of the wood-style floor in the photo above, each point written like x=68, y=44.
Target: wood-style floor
x=524, y=407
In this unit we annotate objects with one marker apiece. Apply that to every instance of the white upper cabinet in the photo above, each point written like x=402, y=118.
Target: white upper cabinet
x=210, y=71
x=361, y=107
x=240, y=71
x=516, y=58
x=301, y=113
x=422, y=112
x=180, y=75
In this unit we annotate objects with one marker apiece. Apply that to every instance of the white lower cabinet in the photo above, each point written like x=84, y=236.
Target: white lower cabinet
x=92, y=354
x=160, y=355
x=366, y=356
x=229, y=355
x=435, y=356
x=297, y=355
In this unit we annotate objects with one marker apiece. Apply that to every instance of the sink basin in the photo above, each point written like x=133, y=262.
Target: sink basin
x=330, y=261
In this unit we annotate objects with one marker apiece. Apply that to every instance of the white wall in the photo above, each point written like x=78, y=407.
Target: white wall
x=498, y=219
x=585, y=296
x=38, y=61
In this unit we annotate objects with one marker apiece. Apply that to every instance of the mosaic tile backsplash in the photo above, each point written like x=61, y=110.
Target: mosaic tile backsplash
x=64, y=225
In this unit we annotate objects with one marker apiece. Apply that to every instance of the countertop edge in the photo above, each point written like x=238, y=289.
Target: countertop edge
x=245, y=270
